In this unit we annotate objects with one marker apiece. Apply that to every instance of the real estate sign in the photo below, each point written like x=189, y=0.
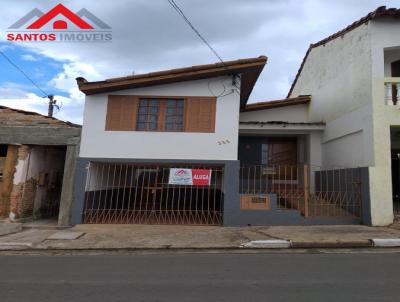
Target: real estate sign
x=190, y=177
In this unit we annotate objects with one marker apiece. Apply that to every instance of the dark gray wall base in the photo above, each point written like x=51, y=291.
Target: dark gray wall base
x=79, y=190
x=232, y=215
x=343, y=179
x=275, y=216
x=365, y=197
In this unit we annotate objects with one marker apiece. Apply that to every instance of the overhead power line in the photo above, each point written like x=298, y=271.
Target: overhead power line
x=52, y=102
x=180, y=12
x=24, y=74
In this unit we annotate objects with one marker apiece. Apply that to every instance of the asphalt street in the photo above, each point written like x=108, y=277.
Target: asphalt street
x=201, y=277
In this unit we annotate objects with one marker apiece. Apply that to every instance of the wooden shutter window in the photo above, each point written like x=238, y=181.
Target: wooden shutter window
x=200, y=114
x=121, y=112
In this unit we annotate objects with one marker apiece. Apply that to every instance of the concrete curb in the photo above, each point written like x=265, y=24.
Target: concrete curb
x=386, y=242
x=268, y=244
x=251, y=245
x=333, y=244
x=8, y=228
x=16, y=246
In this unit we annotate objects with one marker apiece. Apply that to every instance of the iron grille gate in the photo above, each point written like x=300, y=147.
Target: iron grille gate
x=141, y=194
x=309, y=189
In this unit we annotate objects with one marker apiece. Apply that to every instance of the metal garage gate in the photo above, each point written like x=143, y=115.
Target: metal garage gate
x=153, y=194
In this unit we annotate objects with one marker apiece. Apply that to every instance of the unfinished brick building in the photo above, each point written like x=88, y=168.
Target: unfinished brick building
x=37, y=160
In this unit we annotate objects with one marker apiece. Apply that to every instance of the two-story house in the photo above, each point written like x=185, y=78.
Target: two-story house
x=183, y=146
x=354, y=76
x=353, y=121
x=163, y=147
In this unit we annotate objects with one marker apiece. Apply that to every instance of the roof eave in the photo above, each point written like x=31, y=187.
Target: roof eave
x=303, y=99
x=67, y=123
x=249, y=69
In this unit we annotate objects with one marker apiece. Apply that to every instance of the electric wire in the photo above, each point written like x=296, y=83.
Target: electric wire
x=23, y=73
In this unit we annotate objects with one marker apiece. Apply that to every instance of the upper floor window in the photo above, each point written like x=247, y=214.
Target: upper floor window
x=160, y=115
x=165, y=114
x=174, y=115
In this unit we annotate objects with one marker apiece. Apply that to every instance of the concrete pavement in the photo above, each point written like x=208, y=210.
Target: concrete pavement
x=9, y=228
x=110, y=237
x=201, y=277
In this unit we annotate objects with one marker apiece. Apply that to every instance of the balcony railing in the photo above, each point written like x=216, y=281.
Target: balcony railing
x=392, y=91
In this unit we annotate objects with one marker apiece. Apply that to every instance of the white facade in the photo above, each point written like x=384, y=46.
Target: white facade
x=346, y=80
x=293, y=114
x=309, y=135
x=384, y=37
x=338, y=75
x=221, y=145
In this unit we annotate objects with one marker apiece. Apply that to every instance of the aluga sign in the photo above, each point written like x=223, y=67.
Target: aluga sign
x=189, y=177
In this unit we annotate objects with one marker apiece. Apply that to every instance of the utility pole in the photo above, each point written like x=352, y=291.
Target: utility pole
x=52, y=103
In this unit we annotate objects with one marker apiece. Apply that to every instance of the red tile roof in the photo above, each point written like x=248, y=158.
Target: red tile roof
x=249, y=69
x=302, y=99
x=282, y=123
x=17, y=117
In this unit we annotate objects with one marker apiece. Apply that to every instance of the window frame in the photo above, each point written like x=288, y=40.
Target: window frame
x=162, y=113
x=122, y=113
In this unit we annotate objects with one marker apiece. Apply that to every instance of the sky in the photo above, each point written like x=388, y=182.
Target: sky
x=148, y=35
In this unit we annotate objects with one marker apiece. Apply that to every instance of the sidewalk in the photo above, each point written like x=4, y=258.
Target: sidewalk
x=111, y=237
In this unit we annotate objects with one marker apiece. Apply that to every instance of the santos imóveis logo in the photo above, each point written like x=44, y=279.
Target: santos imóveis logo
x=59, y=25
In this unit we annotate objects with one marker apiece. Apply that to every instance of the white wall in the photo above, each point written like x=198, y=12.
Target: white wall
x=338, y=76
x=295, y=113
x=346, y=80
x=347, y=140
x=98, y=143
x=390, y=55
x=384, y=39
x=384, y=36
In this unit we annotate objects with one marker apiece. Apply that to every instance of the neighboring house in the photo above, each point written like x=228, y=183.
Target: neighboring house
x=37, y=160
x=182, y=146
x=354, y=78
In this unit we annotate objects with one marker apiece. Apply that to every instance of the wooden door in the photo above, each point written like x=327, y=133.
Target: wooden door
x=283, y=155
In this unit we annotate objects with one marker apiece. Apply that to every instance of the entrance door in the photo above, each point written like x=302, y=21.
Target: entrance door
x=282, y=153
x=395, y=71
x=396, y=180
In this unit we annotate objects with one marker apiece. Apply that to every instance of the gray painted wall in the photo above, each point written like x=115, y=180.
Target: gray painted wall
x=232, y=214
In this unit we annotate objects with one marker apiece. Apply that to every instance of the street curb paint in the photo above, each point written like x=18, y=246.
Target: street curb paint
x=333, y=244
x=268, y=244
x=386, y=242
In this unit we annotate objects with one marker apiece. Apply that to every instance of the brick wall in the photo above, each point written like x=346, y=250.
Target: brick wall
x=23, y=152
x=23, y=192
x=35, y=189
x=6, y=184
x=22, y=199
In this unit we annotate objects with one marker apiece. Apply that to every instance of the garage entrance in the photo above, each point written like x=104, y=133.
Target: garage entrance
x=153, y=194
